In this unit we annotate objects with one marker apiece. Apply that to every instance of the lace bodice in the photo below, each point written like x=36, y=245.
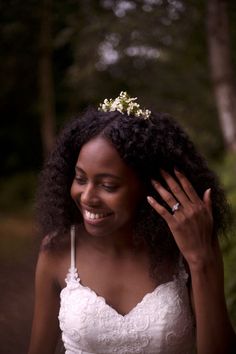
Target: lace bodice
x=162, y=323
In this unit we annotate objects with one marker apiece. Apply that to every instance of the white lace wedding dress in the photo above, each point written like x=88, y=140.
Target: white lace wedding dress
x=162, y=323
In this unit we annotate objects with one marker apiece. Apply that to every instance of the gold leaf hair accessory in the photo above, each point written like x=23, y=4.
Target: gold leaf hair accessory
x=124, y=104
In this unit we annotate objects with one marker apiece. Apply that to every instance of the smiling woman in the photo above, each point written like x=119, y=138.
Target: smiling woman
x=106, y=191
x=130, y=259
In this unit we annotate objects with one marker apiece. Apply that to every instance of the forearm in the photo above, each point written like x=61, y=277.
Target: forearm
x=192, y=226
x=215, y=334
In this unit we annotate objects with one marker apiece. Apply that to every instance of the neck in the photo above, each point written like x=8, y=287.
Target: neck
x=116, y=244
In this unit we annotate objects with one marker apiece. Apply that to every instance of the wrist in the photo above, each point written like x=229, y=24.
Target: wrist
x=207, y=260
x=201, y=264
x=208, y=274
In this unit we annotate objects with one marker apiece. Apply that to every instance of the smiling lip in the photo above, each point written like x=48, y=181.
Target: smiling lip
x=94, y=218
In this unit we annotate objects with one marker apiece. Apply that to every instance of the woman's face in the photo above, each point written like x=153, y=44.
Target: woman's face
x=106, y=191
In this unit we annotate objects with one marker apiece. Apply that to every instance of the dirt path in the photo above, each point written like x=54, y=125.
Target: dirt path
x=18, y=253
x=18, y=256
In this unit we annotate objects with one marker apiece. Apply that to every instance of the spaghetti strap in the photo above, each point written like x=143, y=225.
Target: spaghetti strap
x=72, y=275
x=72, y=245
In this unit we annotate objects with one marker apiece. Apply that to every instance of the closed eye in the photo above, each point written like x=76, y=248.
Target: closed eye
x=80, y=180
x=109, y=188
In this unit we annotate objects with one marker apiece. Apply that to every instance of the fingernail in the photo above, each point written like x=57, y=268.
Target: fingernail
x=150, y=199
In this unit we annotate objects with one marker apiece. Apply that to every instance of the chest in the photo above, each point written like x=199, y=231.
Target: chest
x=160, y=323
x=121, y=282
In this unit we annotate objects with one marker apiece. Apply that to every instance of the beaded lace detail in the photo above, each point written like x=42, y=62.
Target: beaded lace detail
x=161, y=323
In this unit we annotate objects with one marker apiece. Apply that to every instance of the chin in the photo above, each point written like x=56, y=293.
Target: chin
x=95, y=231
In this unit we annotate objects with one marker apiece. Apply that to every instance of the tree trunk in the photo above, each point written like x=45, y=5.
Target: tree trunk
x=46, y=85
x=221, y=69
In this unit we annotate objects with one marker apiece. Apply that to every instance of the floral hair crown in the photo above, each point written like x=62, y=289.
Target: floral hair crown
x=124, y=104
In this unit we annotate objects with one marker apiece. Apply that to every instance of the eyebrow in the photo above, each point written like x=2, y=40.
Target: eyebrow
x=101, y=175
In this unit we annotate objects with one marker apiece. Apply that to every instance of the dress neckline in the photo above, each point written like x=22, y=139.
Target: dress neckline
x=73, y=281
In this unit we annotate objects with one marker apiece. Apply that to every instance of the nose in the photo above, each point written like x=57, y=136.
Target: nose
x=89, y=195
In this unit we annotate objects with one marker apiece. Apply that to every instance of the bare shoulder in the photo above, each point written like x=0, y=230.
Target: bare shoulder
x=53, y=263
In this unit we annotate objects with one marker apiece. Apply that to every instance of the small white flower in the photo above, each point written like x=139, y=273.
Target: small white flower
x=124, y=104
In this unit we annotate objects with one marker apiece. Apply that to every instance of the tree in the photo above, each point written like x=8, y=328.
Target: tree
x=18, y=92
x=221, y=69
x=46, y=84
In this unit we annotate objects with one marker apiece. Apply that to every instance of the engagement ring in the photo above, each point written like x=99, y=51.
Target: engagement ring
x=175, y=207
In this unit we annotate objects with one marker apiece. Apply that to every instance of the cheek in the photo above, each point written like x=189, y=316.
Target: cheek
x=74, y=191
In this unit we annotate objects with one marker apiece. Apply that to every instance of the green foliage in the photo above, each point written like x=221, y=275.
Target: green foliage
x=226, y=169
x=229, y=253
x=17, y=192
x=18, y=91
x=155, y=50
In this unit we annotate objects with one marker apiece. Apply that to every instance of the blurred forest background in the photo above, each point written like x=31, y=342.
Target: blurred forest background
x=57, y=57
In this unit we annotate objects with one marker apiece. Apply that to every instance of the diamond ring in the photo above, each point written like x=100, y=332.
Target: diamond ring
x=175, y=207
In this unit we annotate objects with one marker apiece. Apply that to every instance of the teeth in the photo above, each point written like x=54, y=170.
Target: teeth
x=93, y=216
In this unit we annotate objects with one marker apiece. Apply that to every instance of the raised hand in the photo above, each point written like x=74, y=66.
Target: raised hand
x=190, y=221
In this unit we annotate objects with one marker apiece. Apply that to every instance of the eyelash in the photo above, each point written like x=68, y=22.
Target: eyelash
x=108, y=188
x=80, y=180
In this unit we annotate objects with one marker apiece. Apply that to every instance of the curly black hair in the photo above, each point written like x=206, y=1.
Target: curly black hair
x=146, y=145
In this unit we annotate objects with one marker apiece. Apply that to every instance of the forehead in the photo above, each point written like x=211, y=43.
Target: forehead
x=100, y=156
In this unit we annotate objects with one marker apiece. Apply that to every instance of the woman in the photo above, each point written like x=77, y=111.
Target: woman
x=131, y=209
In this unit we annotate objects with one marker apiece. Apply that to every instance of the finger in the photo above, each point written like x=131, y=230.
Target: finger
x=175, y=188
x=160, y=209
x=187, y=187
x=166, y=196
x=207, y=200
